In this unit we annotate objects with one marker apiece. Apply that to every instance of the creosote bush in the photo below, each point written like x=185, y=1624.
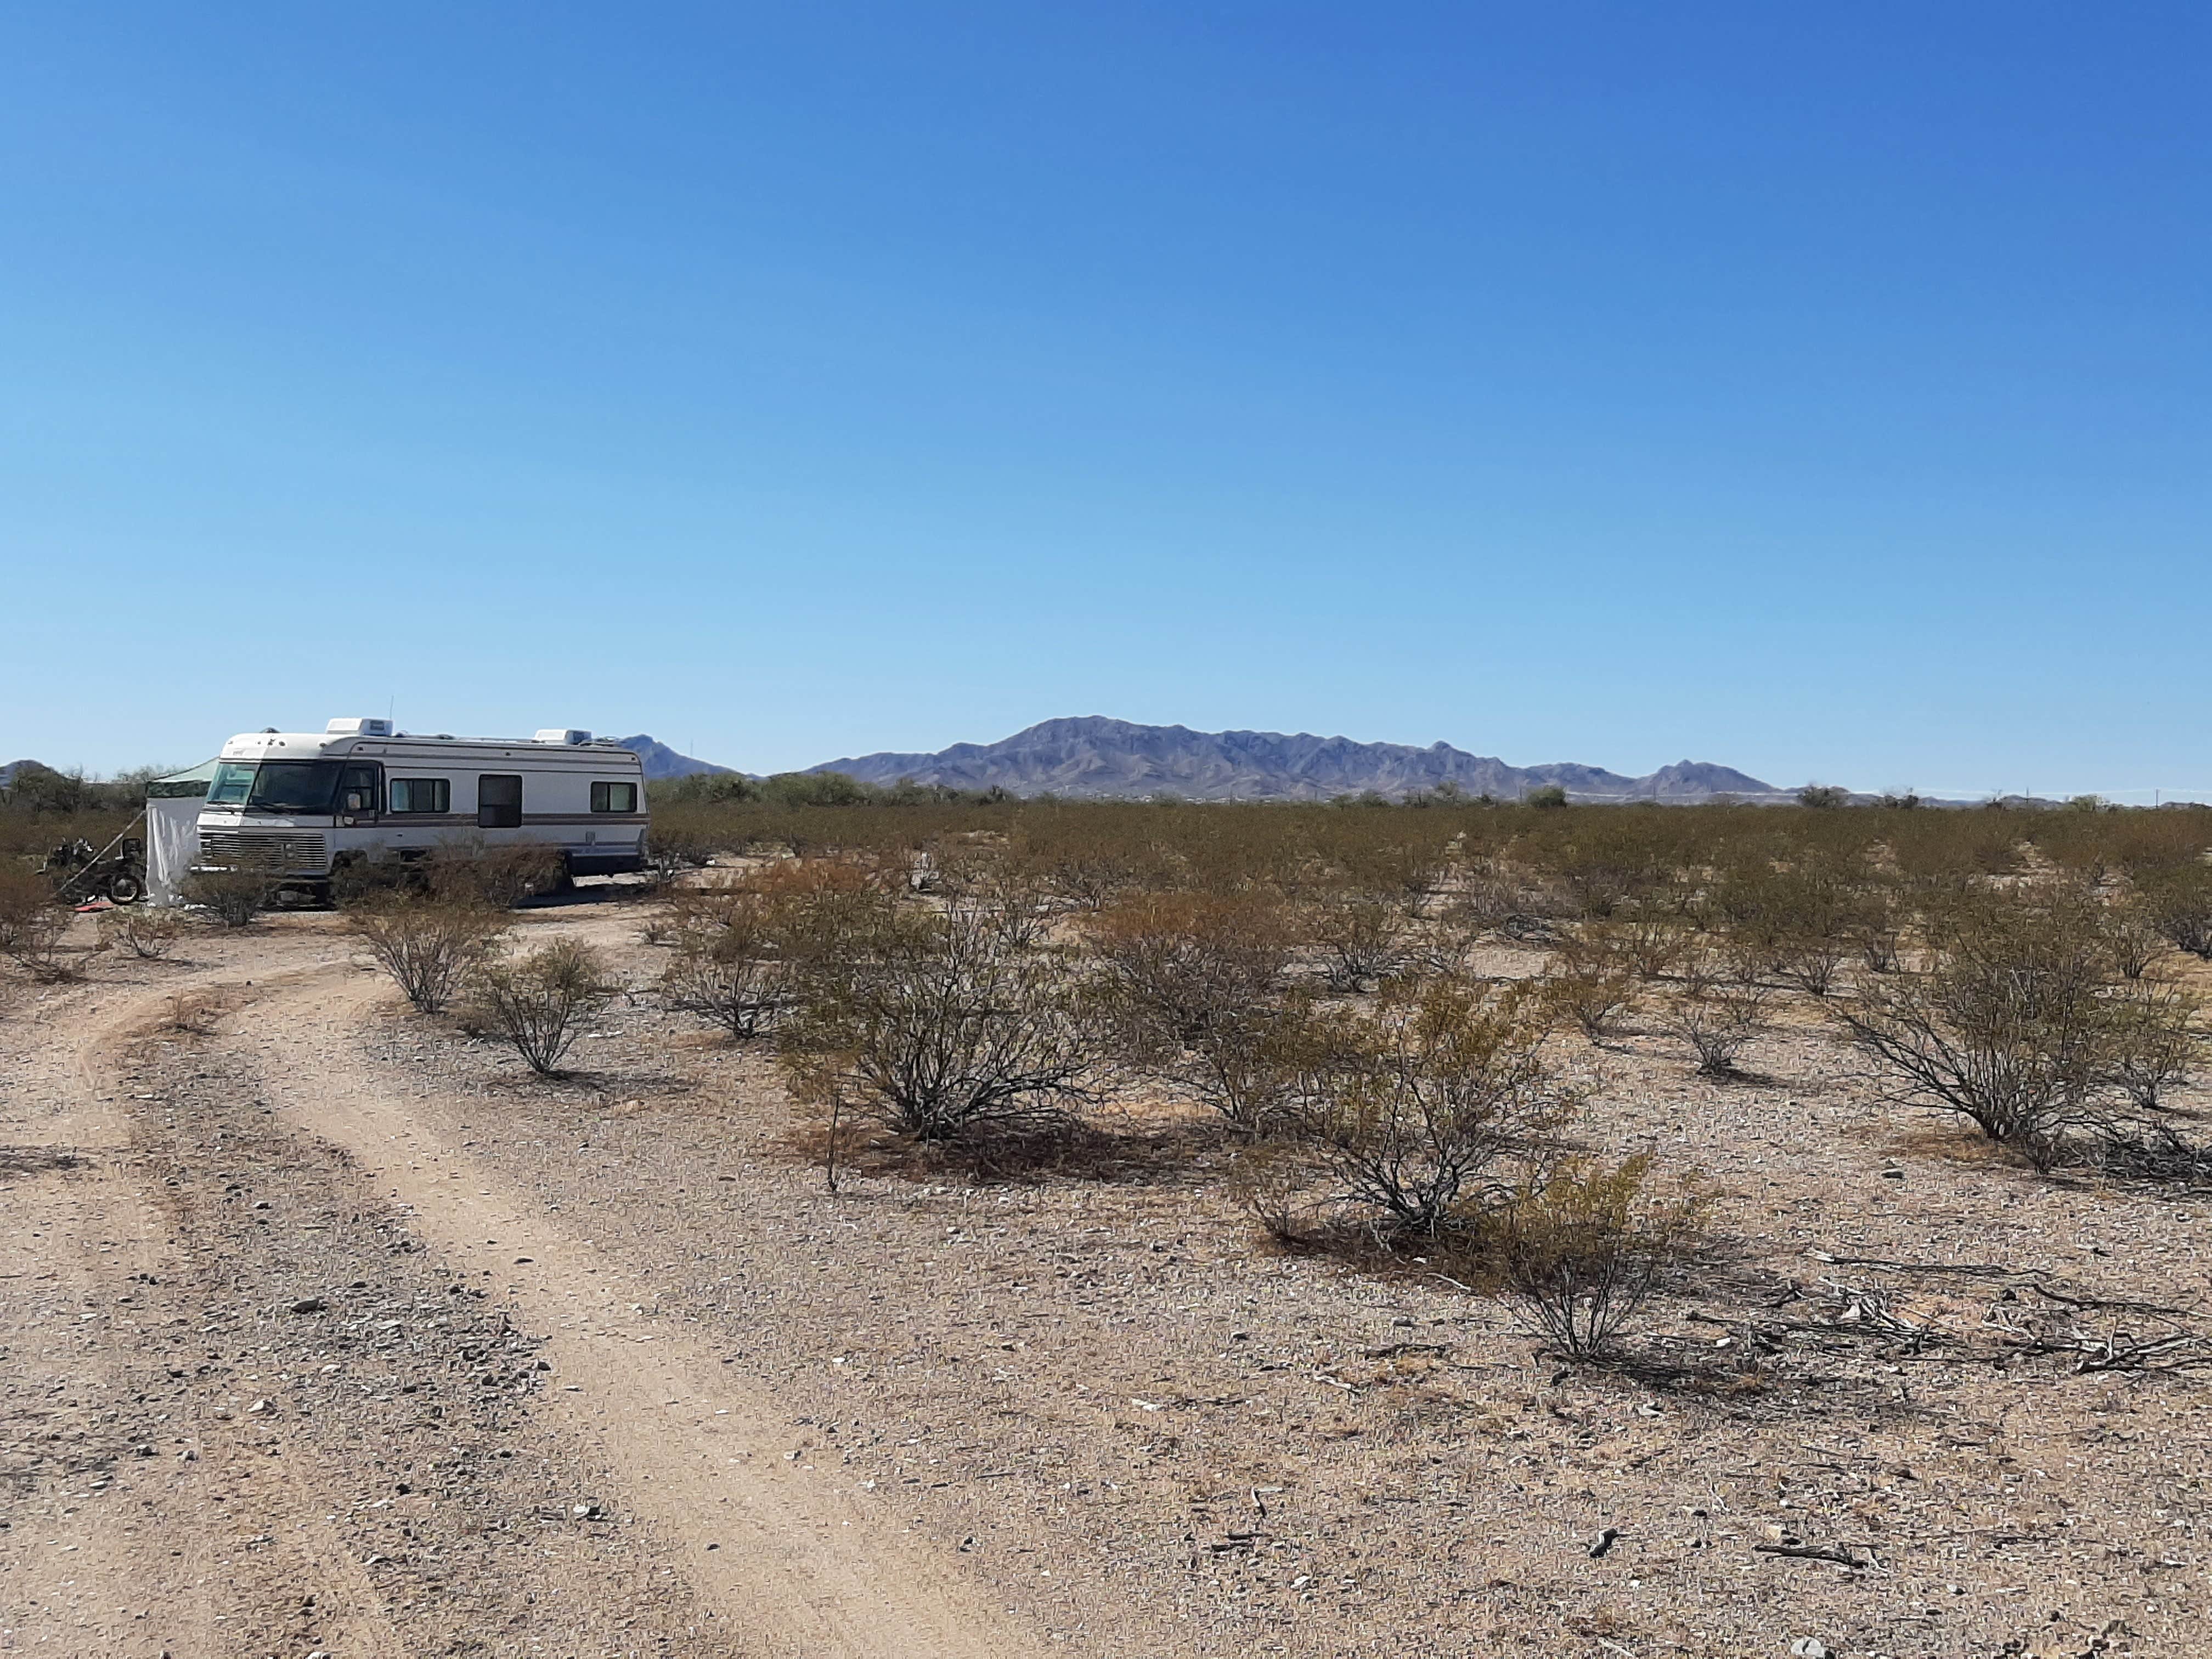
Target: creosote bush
x=2177, y=901
x=1581, y=1246
x=2021, y=1022
x=472, y=872
x=935, y=1026
x=231, y=897
x=1406, y=1113
x=144, y=930
x=1718, y=1009
x=729, y=968
x=539, y=1001
x=429, y=946
x=1172, y=967
x=33, y=924
x=1590, y=979
x=1362, y=938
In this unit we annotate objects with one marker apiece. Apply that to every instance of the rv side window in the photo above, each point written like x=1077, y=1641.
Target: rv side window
x=357, y=790
x=422, y=795
x=614, y=797
x=499, y=802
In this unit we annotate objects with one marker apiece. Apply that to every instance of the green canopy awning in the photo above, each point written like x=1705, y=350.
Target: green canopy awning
x=192, y=785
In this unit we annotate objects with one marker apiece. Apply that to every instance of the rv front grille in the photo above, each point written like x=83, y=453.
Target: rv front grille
x=287, y=854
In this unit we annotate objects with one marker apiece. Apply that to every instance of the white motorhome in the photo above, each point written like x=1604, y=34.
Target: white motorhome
x=299, y=804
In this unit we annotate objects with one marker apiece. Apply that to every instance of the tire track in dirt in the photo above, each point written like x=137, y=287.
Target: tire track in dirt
x=98, y=1269
x=798, y=1563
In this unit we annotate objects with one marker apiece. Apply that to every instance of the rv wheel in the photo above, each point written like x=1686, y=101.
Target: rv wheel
x=123, y=888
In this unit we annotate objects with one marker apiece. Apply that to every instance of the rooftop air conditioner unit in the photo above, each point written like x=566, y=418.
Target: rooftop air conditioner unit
x=554, y=734
x=358, y=725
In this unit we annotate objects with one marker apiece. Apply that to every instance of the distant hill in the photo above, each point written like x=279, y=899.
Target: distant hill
x=1096, y=757
x=662, y=762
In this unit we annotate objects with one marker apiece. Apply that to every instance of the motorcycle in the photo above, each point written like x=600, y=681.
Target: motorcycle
x=80, y=874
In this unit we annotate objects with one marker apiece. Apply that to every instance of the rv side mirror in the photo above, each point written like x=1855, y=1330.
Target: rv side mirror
x=355, y=801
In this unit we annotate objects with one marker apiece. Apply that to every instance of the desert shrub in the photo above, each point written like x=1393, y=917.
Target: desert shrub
x=815, y=913
x=1545, y=797
x=233, y=898
x=1271, y=1180
x=1646, y=943
x=33, y=924
x=429, y=946
x=1823, y=797
x=1406, y=1112
x=673, y=847
x=1590, y=992
x=1591, y=977
x=2176, y=902
x=1170, y=966
x=1874, y=928
x=1601, y=860
x=1581, y=1247
x=500, y=878
x=1792, y=918
x=941, y=1030
x=539, y=1001
x=2152, y=1043
x=1497, y=898
x=1086, y=867
x=145, y=931
x=1812, y=962
x=355, y=880
x=730, y=970
x=1361, y=939
x=2134, y=937
x=1405, y=871
x=2014, y=1023
x=1006, y=894
x=1718, y=1009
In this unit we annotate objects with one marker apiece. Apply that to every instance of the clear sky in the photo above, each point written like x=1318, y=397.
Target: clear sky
x=1824, y=391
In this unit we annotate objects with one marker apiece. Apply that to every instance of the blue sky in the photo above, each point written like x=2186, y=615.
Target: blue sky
x=1822, y=391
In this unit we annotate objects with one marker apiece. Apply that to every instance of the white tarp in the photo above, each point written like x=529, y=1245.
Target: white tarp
x=173, y=836
x=173, y=845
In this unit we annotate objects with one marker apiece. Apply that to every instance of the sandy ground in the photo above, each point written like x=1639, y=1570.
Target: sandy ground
x=326, y=1329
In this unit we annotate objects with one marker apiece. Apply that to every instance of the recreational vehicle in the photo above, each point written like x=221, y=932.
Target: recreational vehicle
x=300, y=805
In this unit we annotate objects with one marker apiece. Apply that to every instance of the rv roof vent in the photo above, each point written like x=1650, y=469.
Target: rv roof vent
x=358, y=725
x=554, y=734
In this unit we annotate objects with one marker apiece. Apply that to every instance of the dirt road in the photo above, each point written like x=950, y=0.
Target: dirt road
x=182, y=1489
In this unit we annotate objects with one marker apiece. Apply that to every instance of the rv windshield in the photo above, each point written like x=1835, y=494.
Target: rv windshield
x=275, y=785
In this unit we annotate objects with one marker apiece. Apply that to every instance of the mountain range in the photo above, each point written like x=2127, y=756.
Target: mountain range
x=1092, y=757
x=1095, y=757
x=662, y=762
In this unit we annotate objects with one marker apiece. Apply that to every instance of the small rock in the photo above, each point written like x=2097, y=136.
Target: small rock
x=308, y=1304
x=257, y=1405
x=1604, y=1542
x=1809, y=1647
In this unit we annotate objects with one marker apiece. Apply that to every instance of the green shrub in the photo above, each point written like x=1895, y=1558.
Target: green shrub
x=941, y=1030
x=429, y=946
x=729, y=968
x=233, y=898
x=499, y=878
x=1407, y=1112
x=539, y=1001
x=1581, y=1247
